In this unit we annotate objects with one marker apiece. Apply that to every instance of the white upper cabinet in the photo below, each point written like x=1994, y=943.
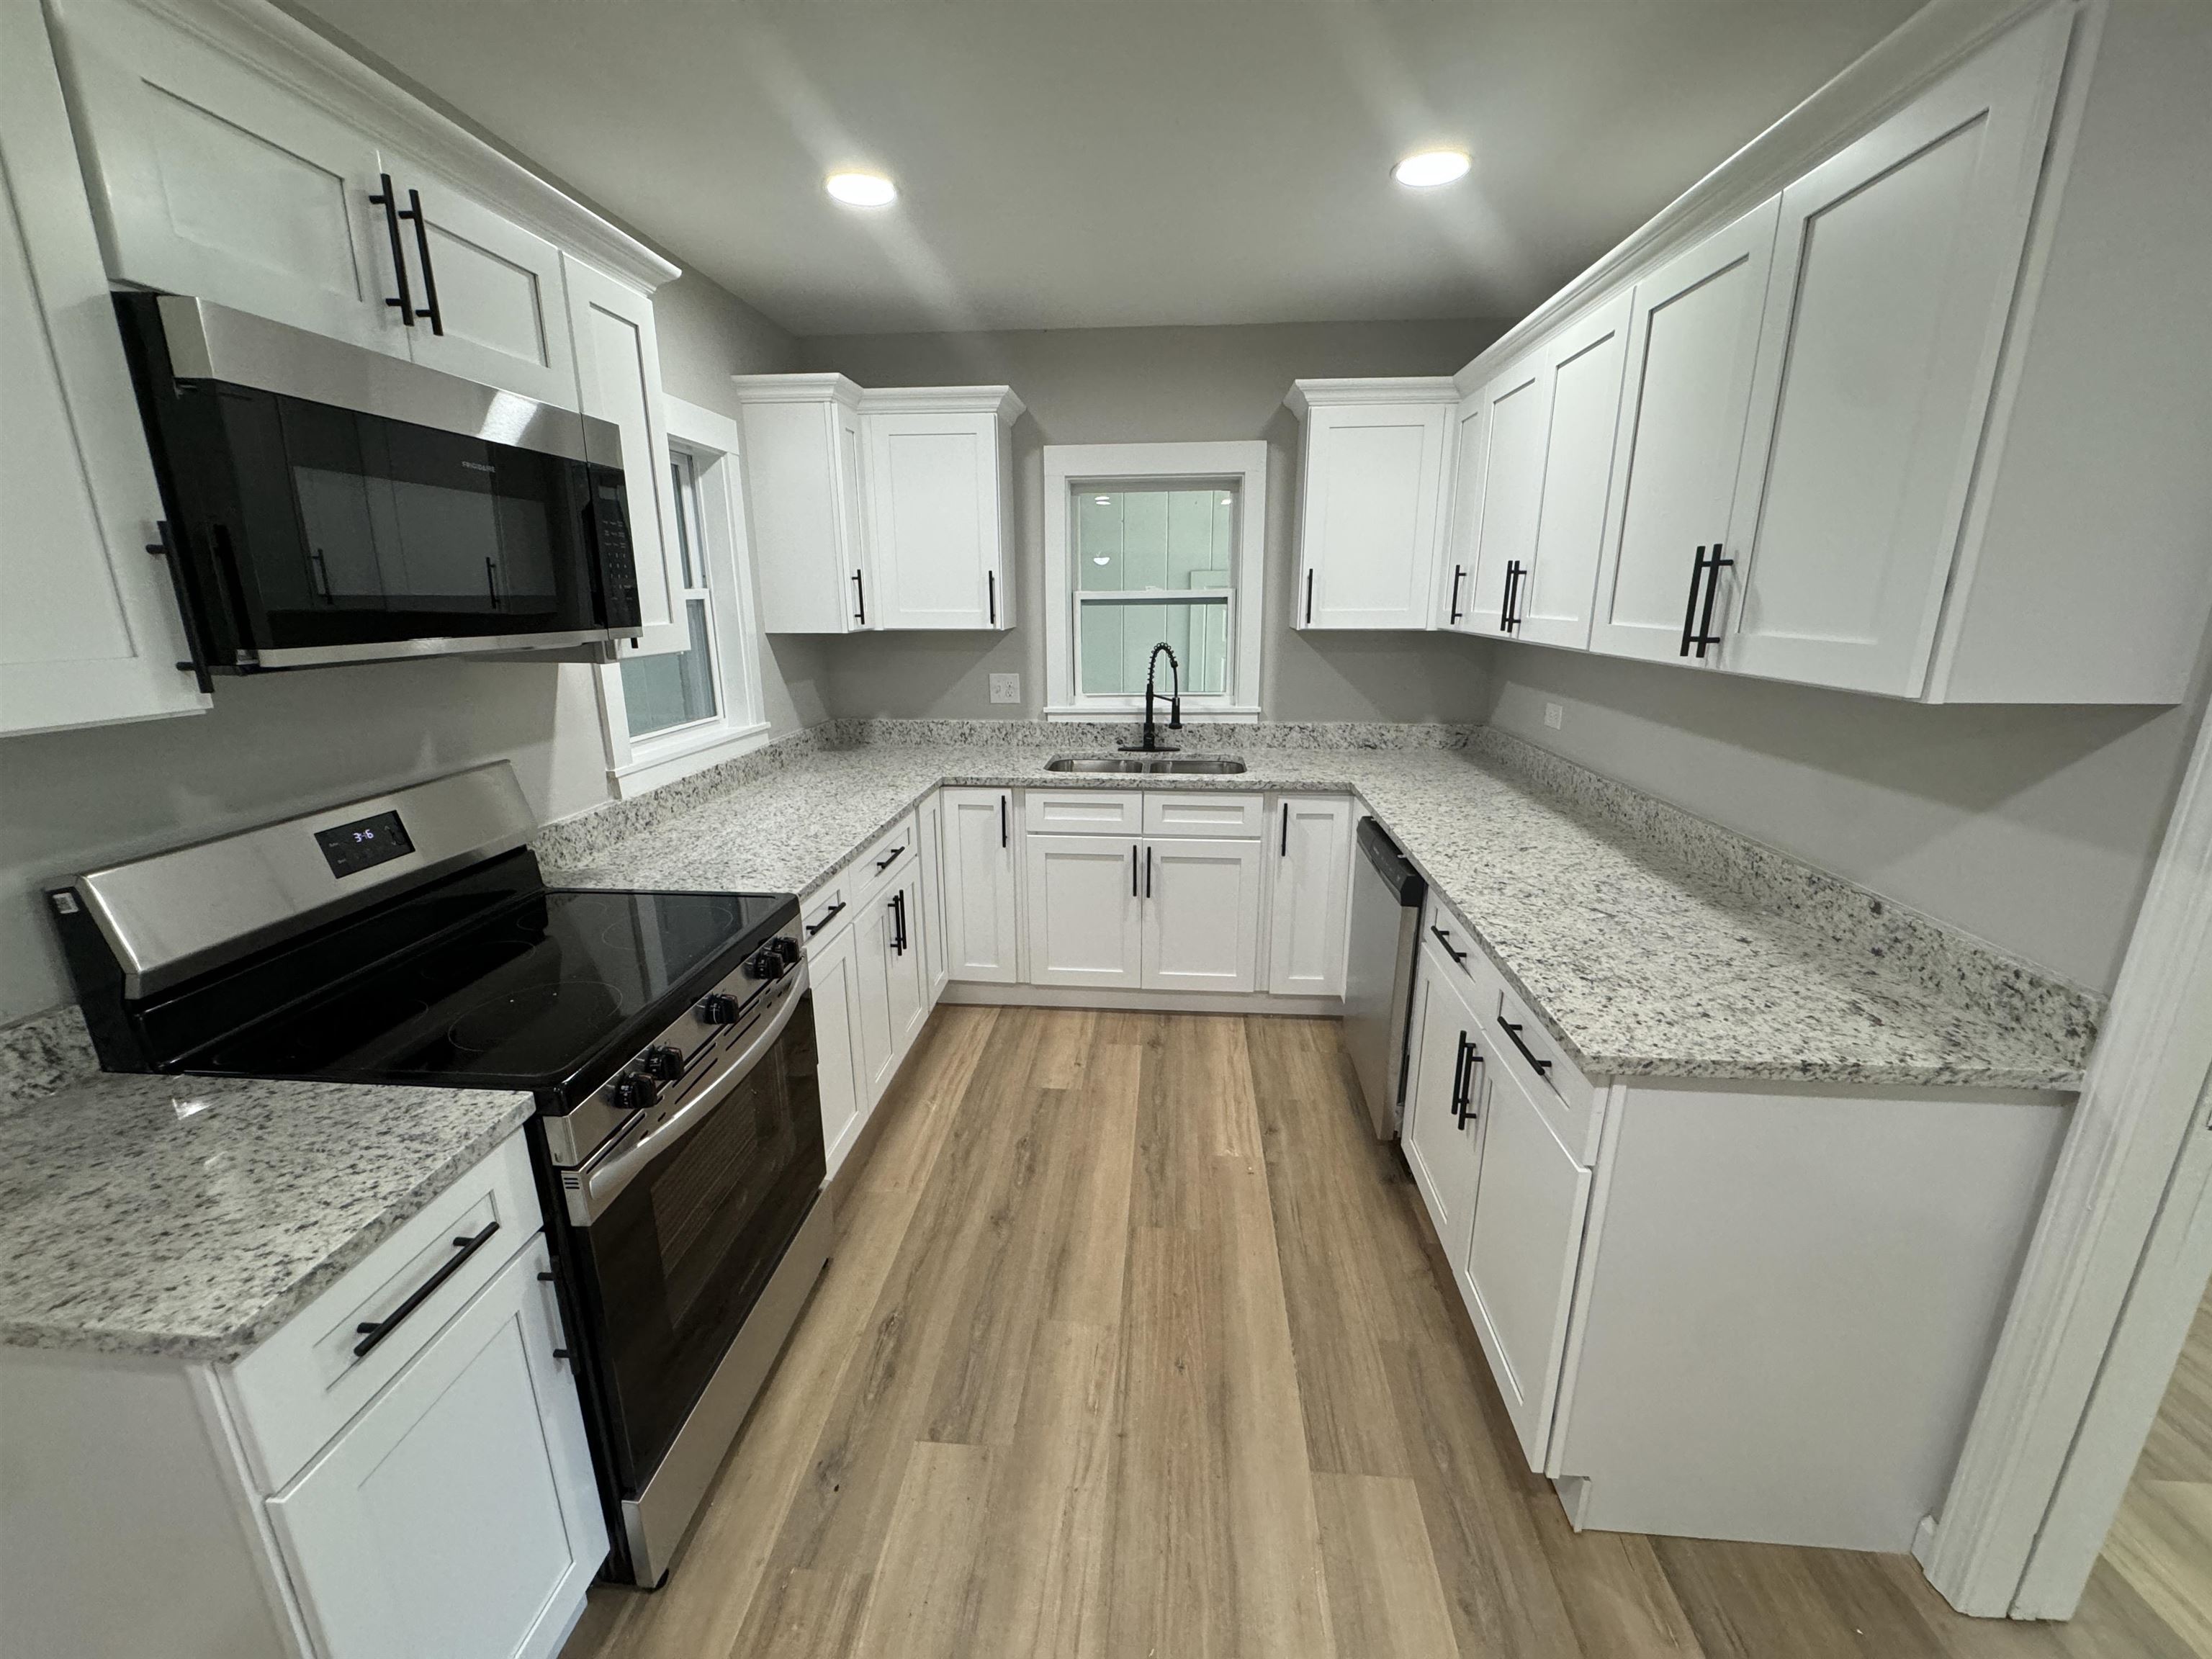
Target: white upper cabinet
x=618, y=371
x=1514, y=413
x=1454, y=606
x=89, y=629
x=1581, y=371
x=494, y=292
x=1894, y=267
x=878, y=509
x=1308, y=911
x=938, y=465
x=1692, y=337
x=1369, y=514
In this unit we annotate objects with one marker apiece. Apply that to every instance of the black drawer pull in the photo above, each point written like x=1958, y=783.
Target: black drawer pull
x=1444, y=940
x=828, y=916
x=890, y=858
x=1512, y=1030
x=374, y=1331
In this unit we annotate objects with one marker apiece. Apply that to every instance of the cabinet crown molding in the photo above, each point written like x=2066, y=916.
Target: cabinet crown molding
x=795, y=389
x=1379, y=389
x=282, y=46
x=995, y=400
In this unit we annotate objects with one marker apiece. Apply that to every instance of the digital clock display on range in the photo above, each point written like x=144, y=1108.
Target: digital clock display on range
x=350, y=848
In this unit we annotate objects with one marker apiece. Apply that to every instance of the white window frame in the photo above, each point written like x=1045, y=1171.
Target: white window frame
x=635, y=765
x=1241, y=463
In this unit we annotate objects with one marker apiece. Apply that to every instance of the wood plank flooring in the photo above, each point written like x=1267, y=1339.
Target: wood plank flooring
x=1132, y=1348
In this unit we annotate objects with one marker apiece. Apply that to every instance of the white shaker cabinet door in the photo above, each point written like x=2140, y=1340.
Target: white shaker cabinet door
x=929, y=828
x=90, y=630
x=498, y=297
x=908, y=976
x=1517, y=410
x=1463, y=534
x=1582, y=367
x=1311, y=870
x=1374, y=474
x=1895, y=264
x=836, y=988
x=1201, y=915
x=1085, y=914
x=1692, y=338
x=1444, y=1098
x=458, y=1513
x=1525, y=1247
x=210, y=179
x=982, y=936
x=875, y=968
x=618, y=372
x=933, y=497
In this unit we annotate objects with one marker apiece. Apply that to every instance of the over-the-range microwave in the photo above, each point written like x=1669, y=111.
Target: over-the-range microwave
x=328, y=503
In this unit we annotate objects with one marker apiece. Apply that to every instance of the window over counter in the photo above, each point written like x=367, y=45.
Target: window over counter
x=675, y=713
x=1147, y=543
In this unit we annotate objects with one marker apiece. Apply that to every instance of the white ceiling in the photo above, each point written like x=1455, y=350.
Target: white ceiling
x=1088, y=163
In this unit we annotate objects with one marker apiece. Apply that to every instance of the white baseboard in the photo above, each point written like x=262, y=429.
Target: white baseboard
x=1160, y=1002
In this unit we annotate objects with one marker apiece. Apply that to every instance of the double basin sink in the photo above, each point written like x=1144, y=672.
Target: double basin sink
x=1212, y=766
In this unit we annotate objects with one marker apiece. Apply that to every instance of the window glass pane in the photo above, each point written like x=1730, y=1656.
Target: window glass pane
x=687, y=513
x=1137, y=540
x=676, y=690
x=1117, y=637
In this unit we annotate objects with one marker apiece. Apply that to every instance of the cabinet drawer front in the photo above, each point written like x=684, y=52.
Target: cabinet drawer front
x=298, y=1389
x=1196, y=814
x=873, y=871
x=824, y=918
x=1084, y=811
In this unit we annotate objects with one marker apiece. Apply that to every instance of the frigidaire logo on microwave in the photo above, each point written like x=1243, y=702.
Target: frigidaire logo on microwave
x=480, y=466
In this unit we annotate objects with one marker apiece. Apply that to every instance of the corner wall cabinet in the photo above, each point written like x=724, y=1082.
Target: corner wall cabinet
x=1831, y=432
x=1374, y=455
x=878, y=509
x=1843, y=1257
x=434, y=1494
x=89, y=629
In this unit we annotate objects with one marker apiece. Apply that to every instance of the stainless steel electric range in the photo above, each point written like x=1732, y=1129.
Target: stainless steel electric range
x=668, y=1039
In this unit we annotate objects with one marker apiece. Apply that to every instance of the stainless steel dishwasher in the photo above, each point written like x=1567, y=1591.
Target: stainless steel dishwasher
x=1387, y=892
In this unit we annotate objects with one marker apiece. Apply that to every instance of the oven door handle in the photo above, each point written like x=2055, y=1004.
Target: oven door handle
x=600, y=1182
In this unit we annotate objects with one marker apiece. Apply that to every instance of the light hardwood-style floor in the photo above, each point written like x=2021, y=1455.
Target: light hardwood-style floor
x=1134, y=1345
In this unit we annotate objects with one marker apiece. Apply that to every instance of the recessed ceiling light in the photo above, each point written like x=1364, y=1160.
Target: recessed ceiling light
x=1102, y=558
x=862, y=189
x=1103, y=501
x=1431, y=168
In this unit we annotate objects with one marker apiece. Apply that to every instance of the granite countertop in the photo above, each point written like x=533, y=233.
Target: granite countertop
x=191, y=1216
x=1648, y=943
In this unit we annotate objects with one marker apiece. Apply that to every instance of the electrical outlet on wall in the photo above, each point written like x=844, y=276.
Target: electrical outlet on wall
x=1553, y=714
x=1006, y=688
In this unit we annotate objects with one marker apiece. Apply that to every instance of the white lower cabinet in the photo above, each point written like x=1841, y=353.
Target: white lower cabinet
x=835, y=984
x=1442, y=1105
x=982, y=885
x=929, y=829
x=1308, y=906
x=458, y=1514
x=1086, y=910
x=1202, y=915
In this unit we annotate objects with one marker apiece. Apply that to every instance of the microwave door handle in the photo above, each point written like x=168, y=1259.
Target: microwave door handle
x=602, y=1181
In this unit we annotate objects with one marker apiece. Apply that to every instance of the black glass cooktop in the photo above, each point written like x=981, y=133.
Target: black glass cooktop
x=553, y=985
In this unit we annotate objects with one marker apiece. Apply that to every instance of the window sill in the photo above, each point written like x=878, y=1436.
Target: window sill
x=652, y=765
x=1115, y=712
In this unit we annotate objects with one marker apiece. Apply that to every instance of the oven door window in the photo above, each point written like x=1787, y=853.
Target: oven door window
x=673, y=1265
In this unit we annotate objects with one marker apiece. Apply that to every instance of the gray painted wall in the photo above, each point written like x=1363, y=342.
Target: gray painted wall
x=288, y=742
x=2032, y=827
x=1156, y=385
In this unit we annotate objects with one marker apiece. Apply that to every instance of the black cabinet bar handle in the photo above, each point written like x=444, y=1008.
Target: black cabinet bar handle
x=860, y=600
x=1002, y=821
x=1286, y=829
x=1514, y=1031
x=388, y=199
x=414, y=210
x=1509, y=618
x=1690, y=611
x=890, y=858
x=491, y=581
x=1459, y=575
x=372, y=1332
x=188, y=617
x=1148, y=873
x=1309, y=597
x=1133, y=869
x=898, y=919
x=828, y=916
x=1714, y=566
x=991, y=585
x=1444, y=940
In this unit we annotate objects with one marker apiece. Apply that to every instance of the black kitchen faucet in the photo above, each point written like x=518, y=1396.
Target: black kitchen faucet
x=1151, y=743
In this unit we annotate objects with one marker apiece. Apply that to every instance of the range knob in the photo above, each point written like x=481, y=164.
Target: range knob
x=717, y=1008
x=767, y=962
x=634, y=1091
x=662, y=1062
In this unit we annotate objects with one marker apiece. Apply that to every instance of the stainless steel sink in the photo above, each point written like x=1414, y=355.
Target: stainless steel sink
x=1154, y=765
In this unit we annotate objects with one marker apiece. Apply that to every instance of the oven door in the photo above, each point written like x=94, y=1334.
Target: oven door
x=676, y=1233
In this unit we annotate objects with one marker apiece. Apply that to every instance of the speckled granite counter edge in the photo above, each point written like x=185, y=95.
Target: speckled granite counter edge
x=43, y=1053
